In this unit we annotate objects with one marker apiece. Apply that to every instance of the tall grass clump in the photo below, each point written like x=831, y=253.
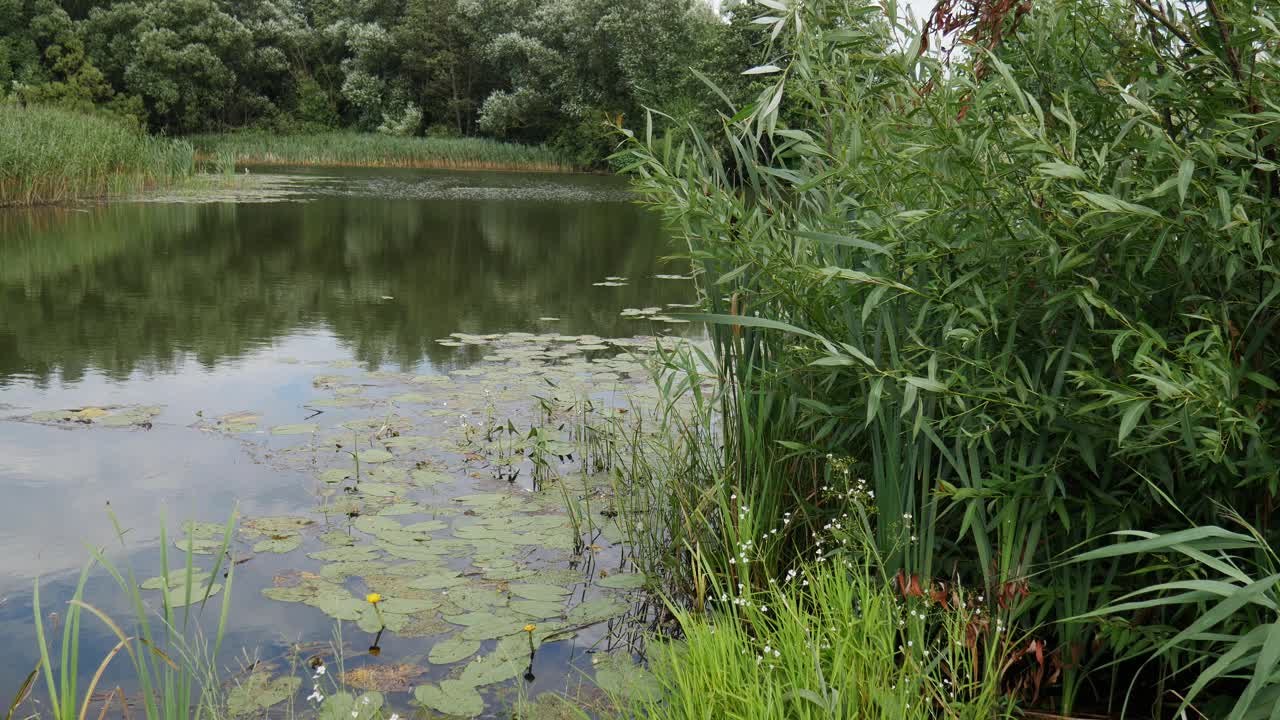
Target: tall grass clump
x=1030, y=289
x=378, y=150
x=834, y=637
x=50, y=155
x=173, y=662
x=835, y=648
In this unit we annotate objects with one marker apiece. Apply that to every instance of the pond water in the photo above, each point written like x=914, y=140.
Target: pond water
x=349, y=359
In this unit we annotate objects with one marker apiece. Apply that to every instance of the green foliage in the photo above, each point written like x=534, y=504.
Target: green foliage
x=520, y=69
x=194, y=63
x=51, y=155
x=314, y=105
x=1229, y=586
x=1030, y=291
x=827, y=643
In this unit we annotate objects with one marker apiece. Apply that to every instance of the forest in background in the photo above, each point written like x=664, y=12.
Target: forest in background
x=562, y=72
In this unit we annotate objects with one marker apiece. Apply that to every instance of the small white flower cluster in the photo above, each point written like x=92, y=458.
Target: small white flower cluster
x=768, y=653
x=317, y=696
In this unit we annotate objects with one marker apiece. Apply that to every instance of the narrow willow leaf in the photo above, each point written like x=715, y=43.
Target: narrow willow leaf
x=1185, y=171
x=1111, y=203
x=1131, y=416
x=1062, y=170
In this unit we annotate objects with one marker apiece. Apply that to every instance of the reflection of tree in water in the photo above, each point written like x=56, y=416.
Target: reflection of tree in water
x=130, y=287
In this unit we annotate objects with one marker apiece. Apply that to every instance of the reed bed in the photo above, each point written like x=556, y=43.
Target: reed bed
x=48, y=155
x=352, y=149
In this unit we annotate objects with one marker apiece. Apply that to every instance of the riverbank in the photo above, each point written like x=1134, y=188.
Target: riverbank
x=49, y=155
x=354, y=149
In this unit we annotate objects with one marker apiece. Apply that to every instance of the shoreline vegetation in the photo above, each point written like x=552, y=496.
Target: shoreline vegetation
x=360, y=149
x=50, y=155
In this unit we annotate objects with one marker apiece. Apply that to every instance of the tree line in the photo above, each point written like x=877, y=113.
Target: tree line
x=559, y=72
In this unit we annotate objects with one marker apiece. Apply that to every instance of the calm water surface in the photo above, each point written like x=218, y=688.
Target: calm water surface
x=205, y=309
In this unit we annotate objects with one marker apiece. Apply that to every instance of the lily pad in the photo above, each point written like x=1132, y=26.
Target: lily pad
x=258, y=692
x=476, y=618
x=426, y=526
x=623, y=581
x=375, y=524
x=438, y=580
x=282, y=544
x=538, y=609
x=342, y=706
x=178, y=597
x=539, y=592
x=490, y=669
x=400, y=508
x=378, y=489
x=596, y=610
x=177, y=577
x=176, y=588
x=428, y=478
x=455, y=649
x=619, y=676
x=335, y=475
x=273, y=526
x=351, y=553
x=509, y=626
x=452, y=697
x=408, y=606
x=374, y=456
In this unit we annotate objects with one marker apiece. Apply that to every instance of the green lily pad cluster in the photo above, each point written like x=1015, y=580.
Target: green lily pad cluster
x=252, y=696
x=101, y=416
x=411, y=508
x=280, y=534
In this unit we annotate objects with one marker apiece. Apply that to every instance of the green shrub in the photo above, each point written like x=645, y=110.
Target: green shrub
x=1031, y=291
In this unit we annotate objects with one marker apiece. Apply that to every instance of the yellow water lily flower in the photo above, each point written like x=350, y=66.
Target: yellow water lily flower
x=530, y=628
x=374, y=598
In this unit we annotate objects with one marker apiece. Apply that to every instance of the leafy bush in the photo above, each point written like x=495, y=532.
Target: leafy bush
x=1031, y=289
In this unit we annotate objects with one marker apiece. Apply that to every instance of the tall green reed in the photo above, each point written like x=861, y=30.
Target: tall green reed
x=173, y=662
x=50, y=155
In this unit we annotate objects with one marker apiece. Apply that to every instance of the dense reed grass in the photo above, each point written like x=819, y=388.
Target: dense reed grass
x=49, y=155
x=372, y=150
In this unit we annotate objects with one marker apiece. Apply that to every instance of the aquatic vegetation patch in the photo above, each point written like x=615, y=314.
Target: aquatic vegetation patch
x=101, y=416
x=252, y=696
x=393, y=678
x=475, y=507
x=618, y=674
